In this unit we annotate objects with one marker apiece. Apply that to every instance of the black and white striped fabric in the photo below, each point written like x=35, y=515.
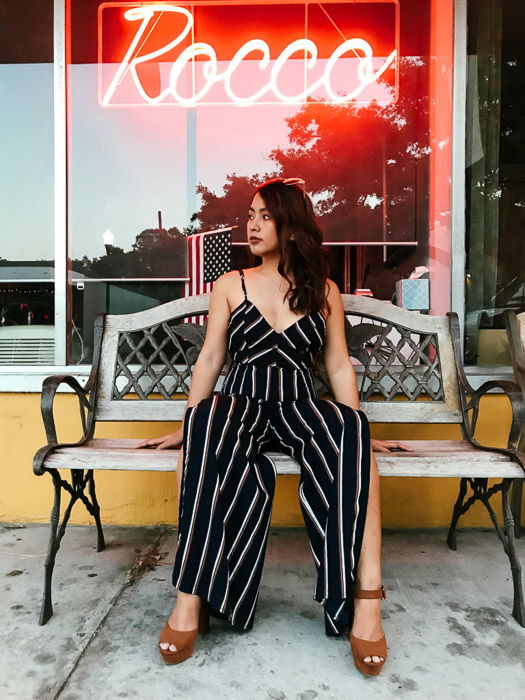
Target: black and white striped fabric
x=268, y=402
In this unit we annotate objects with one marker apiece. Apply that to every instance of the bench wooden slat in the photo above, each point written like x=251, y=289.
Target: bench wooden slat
x=376, y=411
x=447, y=458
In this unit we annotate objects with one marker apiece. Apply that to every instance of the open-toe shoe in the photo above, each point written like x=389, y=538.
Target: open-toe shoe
x=183, y=640
x=363, y=648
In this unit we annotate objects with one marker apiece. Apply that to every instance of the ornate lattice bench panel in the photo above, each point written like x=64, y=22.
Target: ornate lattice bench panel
x=409, y=371
x=147, y=359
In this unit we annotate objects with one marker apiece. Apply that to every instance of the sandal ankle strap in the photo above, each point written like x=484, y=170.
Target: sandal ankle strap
x=378, y=593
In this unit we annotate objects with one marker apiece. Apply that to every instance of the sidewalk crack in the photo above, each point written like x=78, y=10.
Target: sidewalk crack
x=146, y=561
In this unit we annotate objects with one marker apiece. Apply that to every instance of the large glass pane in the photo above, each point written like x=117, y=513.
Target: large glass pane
x=495, y=176
x=177, y=110
x=26, y=183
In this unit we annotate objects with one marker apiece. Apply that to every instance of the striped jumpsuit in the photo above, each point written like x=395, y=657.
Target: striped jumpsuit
x=268, y=403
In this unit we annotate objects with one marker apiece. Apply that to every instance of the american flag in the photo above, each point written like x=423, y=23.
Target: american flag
x=209, y=257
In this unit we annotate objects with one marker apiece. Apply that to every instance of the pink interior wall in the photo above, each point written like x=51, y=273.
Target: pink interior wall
x=440, y=121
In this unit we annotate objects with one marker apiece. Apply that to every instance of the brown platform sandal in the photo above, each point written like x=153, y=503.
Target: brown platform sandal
x=361, y=648
x=184, y=641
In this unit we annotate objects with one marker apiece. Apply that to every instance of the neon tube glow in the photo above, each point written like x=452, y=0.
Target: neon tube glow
x=354, y=58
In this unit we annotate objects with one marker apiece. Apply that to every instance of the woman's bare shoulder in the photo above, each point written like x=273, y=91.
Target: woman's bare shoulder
x=332, y=296
x=333, y=290
x=228, y=285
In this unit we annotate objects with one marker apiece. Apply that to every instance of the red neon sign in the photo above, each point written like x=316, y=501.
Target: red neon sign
x=232, y=53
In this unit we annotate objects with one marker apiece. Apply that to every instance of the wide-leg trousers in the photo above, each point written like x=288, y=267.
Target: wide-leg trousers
x=227, y=491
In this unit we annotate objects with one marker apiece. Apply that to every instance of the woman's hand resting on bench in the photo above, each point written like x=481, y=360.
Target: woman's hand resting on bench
x=165, y=442
x=390, y=446
x=171, y=440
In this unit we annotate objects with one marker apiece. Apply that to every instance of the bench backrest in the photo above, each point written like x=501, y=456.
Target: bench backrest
x=409, y=372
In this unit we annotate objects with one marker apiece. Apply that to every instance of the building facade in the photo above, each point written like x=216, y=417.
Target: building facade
x=134, y=134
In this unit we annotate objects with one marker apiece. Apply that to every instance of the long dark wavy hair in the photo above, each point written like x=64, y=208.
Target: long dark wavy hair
x=303, y=256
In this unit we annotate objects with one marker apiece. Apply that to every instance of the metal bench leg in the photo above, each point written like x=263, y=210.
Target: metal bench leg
x=518, y=608
x=506, y=534
x=76, y=492
x=55, y=536
x=456, y=513
x=517, y=488
x=96, y=512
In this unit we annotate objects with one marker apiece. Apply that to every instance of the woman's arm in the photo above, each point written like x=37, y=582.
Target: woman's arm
x=209, y=363
x=212, y=356
x=339, y=366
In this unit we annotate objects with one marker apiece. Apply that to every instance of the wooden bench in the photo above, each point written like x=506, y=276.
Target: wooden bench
x=410, y=372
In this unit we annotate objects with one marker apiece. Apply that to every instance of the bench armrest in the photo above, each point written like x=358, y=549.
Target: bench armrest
x=470, y=399
x=50, y=386
x=86, y=397
x=513, y=392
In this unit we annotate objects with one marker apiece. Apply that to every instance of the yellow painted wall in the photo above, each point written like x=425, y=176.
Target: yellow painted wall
x=149, y=498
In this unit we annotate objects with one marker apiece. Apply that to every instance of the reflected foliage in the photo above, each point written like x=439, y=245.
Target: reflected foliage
x=362, y=166
x=155, y=253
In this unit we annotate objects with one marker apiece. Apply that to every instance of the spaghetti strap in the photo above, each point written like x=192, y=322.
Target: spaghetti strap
x=269, y=398
x=241, y=272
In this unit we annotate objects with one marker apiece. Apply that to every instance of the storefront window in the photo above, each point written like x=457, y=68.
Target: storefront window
x=495, y=176
x=177, y=110
x=26, y=184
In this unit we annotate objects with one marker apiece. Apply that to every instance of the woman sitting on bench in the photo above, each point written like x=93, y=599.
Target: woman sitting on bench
x=273, y=319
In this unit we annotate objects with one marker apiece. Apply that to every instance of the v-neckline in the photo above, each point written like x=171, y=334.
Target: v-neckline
x=283, y=332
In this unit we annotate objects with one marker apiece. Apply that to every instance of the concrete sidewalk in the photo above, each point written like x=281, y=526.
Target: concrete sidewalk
x=447, y=619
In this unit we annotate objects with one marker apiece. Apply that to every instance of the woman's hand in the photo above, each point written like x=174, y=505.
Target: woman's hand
x=389, y=445
x=165, y=442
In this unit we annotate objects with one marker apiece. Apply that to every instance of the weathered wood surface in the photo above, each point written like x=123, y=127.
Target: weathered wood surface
x=376, y=411
x=433, y=458
x=138, y=410
x=198, y=304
